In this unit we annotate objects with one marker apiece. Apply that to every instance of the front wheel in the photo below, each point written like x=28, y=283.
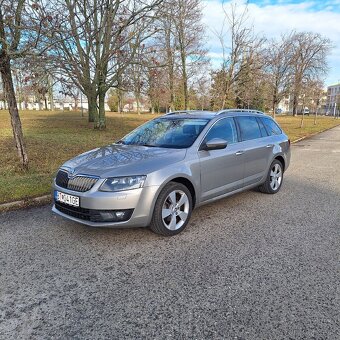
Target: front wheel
x=172, y=210
x=274, y=178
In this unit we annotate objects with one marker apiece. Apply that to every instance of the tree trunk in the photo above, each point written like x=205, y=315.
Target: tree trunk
x=303, y=113
x=76, y=103
x=6, y=75
x=185, y=80
x=275, y=102
x=50, y=94
x=92, y=107
x=137, y=95
x=18, y=90
x=100, y=123
x=120, y=101
x=226, y=92
x=295, y=104
x=316, y=114
x=170, y=70
x=45, y=101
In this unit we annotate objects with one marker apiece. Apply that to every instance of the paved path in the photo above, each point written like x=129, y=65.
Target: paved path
x=252, y=266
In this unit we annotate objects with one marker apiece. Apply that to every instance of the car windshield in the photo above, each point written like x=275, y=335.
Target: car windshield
x=177, y=133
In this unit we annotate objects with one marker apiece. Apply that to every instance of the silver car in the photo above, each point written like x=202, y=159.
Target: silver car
x=156, y=175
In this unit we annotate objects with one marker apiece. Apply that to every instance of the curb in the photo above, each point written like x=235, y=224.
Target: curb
x=26, y=203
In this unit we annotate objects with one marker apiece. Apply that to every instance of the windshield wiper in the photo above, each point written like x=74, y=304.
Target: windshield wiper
x=149, y=145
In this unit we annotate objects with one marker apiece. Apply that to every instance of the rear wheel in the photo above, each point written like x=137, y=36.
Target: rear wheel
x=172, y=210
x=274, y=178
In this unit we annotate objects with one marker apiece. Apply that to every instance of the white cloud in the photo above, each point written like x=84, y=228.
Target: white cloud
x=273, y=20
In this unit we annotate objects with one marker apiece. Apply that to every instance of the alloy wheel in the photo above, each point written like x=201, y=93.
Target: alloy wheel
x=275, y=176
x=175, y=210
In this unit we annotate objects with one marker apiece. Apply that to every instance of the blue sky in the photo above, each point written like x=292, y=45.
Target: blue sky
x=330, y=5
x=274, y=17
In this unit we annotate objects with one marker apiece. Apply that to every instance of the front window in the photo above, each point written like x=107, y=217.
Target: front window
x=224, y=129
x=177, y=133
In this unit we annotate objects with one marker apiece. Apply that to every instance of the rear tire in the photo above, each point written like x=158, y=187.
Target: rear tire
x=274, y=178
x=172, y=210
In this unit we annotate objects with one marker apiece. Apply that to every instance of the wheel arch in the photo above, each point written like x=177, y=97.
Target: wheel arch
x=281, y=159
x=185, y=181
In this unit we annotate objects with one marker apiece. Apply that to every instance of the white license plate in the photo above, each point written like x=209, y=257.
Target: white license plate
x=66, y=198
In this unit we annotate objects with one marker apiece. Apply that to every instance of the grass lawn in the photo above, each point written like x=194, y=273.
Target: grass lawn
x=54, y=137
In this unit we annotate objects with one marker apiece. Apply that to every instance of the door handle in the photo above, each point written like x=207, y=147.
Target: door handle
x=239, y=153
x=270, y=145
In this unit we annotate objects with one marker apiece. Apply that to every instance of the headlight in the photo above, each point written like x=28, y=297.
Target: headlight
x=123, y=183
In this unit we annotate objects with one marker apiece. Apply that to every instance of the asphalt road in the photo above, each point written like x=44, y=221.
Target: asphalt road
x=252, y=266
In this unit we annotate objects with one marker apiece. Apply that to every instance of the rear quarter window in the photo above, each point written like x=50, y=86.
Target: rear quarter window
x=272, y=128
x=262, y=128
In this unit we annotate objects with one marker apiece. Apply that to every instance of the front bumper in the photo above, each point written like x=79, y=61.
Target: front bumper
x=140, y=202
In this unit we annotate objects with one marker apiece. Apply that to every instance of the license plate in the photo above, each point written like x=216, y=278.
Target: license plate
x=66, y=198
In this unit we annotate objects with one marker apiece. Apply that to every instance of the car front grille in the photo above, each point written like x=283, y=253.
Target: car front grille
x=90, y=214
x=80, y=183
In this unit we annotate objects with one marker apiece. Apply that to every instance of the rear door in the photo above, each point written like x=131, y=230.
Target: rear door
x=256, y=149
x=221, y=170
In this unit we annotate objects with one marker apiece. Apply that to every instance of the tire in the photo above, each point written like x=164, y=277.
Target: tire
x=274, y=178
x=168, y=217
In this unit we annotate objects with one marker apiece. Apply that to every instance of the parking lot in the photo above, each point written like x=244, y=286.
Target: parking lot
x=252, y=266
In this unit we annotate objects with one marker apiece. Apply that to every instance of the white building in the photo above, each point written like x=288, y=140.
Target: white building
x=333, y=98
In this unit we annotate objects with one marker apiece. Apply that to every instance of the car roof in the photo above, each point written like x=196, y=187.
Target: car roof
x=212, y=114
x=191, y=114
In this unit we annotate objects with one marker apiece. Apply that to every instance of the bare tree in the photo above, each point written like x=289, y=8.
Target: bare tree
x=309, y=61
x=279, y=69
x=190, y=38
x=21, y=25
x=166, y=42
x=97, y=41
x=238, y=58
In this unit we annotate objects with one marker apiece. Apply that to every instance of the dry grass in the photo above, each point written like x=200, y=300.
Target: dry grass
x=51, y=138
x=54, y=137
x=291, y=125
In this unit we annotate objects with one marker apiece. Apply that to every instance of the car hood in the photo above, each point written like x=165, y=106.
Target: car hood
x=123, y=160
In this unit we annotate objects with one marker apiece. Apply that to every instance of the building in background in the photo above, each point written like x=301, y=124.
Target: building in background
x=333, y=99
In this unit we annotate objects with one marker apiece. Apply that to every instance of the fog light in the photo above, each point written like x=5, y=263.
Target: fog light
x=120, y=215
x=108, y=216
x=113, y=215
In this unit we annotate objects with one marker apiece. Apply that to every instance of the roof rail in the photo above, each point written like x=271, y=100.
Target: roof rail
x=176, y=112
x=187, y=111
x=240, y=110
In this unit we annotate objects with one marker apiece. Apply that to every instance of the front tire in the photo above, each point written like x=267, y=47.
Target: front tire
x=274, y=178
x=172, y=210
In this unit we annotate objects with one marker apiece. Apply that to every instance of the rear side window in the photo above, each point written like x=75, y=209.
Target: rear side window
x=224, y=129
x=271, y=127
x=262, y=128
x=249, y=128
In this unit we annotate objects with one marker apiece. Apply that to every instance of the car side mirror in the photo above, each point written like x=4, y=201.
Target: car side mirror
x=215, y=144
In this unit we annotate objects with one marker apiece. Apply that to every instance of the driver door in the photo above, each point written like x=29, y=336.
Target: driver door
x=222, y=171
